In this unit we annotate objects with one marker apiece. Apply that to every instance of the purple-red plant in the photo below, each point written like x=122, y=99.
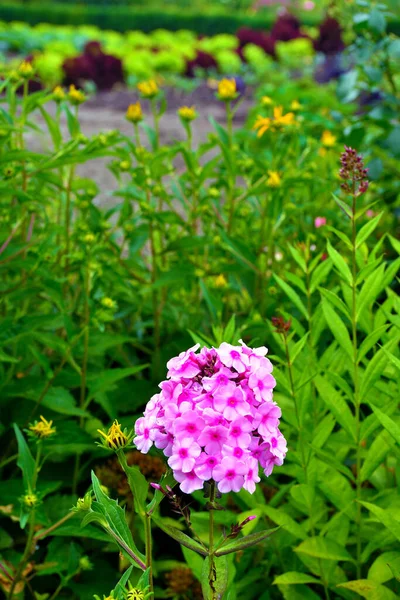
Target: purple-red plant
x=93, y=65
x=202, y=60
x=215, y=418
x=330, y=37
x=246, y=36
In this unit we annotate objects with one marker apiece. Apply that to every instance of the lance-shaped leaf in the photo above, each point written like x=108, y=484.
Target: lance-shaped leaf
x=117, y=525
x=25, y=460
x=182, y=538
x=119, y=591
x=219, y=575
x=245, y=542
x=137, y=482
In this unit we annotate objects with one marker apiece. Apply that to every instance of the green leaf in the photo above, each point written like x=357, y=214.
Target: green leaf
x=138, y=484
x=388, y=423
x=116, y=520
x=293, y=578
x=298, y=347
x=290, y=293
x=323, y=548
x=106, y=380
x=385, y=517
x=181, y=537
x=7, y=358
x=367, y=229
x=284, y=520
x=119, y=590
x=25, y=461
x=320, y=273
x=220, y=578
x=370, y=289
x=337, y=328
x=369, y=589
x=382, y=568
x=376, y=454
x=336, y=404
x=343, y=206
x=370, y=342
x=298, y=258
x=245, y=542
x=376, y=366
x=340, y=263
x=377, y=21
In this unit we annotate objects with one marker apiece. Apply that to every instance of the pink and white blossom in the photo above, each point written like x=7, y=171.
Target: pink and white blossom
x=214, y=418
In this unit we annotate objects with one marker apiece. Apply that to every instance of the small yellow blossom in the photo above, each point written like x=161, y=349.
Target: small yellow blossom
x=187, y=113
x=148, y=89
x=26, y=70
x=84, y=504
x=227, y=89
x=274, y=179
x=220, y=281
x=124, y=165
x=278, y=120
x=58, y=94
x=76, y=96
x=30, y=500
x=266, y=101
x=89, y=238
x=135, y=594
x=295, y=105
x=328, y=139
x=115, y=438
x=134, y=113
x=42, y=429
x=108, y=303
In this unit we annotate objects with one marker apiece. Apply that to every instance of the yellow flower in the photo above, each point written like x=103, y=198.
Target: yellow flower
x=89, y=238
x=42, y=429
x=328, y=139
x=295, y=105
x=266, y=101
x=274, y=179
x=281, y=119
x=115, y=438
x=134, y=113
x=135, y=594
x=26, y=70
x=227, y=89
x=124, y=165
x=262, y=124
x=148, y=89
x=58, y=94
x=76, y=96
x=108, y=303
x=30, y=500
x=220, y=281
x=187, y=113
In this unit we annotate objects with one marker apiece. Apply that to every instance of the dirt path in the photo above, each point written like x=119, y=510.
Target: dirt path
x=106, y=111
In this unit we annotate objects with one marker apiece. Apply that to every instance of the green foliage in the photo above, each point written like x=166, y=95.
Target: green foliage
x=196, y=244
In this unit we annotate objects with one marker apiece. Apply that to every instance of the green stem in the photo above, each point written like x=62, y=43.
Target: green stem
x=25, y=556
x=84, y=365
x=156, y=122
x=356, y=383
x=148, y=538
x=211, y=550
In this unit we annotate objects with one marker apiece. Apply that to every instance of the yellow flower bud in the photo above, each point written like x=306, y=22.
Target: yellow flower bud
x=26, y=70
x=274, y=179
x=134, y=113
x=42, y=429
x=328, y=139
x=75, y=96
x=148, y=89
x=220, y=281
x=187, y=113
x=59, y=94
x=227, y=89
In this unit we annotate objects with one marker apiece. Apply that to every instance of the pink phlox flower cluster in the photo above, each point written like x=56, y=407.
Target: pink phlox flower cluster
x=215, y=418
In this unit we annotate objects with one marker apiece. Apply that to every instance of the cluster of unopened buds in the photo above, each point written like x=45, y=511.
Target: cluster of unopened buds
x=353, y=172
x=215, y=418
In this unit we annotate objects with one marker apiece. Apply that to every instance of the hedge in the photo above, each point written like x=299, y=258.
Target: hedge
x=126, y=18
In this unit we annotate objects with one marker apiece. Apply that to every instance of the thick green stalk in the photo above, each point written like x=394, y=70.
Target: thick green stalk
x=148, y=539
x=356, y=382
x=211, y=573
